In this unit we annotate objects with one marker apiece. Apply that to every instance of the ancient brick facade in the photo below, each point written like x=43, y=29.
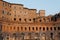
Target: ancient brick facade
x=20, y=23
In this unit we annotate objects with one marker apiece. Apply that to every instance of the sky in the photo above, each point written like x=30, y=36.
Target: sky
x=51, y=7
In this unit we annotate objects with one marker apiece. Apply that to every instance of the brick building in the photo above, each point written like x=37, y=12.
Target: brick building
x=21, y=23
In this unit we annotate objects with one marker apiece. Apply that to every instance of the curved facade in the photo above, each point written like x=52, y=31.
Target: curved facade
x=20, y=23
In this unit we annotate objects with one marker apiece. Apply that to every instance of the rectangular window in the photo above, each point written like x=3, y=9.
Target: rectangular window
x=33, y=19
x=19, y=19
x=3, y=4
x=54, y=28
x=29, y=19
x=58, y=28
x=40, y=20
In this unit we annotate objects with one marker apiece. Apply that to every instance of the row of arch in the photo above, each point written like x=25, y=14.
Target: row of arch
x=34, y=19
x=30, y=28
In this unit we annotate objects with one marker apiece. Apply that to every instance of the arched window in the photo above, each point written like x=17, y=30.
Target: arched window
x=32, y=28
x=54, y=28
x=43, y=28
x=50, y=28
x=18, y=28
x=21, y=28
x=25, y=28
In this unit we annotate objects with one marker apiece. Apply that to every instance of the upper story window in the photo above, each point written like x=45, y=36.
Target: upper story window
x=58, y=28
x=9, y=5
x=4, y=12
x=54, y=28
x=40, y=20
x=25, y=20
x=20, y=19
x=14, y=19
x=29, y=19
x=34, y=19
x=3, y=4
